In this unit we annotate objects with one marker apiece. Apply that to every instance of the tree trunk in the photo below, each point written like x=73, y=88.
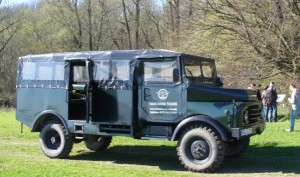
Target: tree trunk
x=127, y=24
x=79, y=24
x=137, y=23
x=177, y=21
x=90, y=24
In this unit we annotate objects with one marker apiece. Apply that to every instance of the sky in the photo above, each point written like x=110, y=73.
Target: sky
x=15, y=2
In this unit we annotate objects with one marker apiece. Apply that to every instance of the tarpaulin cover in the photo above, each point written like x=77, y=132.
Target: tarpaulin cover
x=111, y=68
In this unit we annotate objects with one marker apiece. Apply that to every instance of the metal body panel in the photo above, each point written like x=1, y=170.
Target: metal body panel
x=200, y=119
x=200, y=93
x=212, y=110
x=113, y=106
x=118, y=105
x=32, y=101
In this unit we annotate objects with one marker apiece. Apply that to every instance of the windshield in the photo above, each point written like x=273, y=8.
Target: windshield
x=199, y=71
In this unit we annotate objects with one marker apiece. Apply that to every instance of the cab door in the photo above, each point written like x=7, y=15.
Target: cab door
x=79, y=91
x=162, y=94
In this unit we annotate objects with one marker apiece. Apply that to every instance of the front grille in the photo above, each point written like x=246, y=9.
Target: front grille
x=254, y=113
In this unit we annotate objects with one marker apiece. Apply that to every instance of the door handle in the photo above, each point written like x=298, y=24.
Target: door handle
x=67, y=96
x=147, y=94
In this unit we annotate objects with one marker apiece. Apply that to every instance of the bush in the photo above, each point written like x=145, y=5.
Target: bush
x=7, y=100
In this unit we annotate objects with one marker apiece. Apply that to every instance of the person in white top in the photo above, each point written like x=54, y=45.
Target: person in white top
x=295, y=110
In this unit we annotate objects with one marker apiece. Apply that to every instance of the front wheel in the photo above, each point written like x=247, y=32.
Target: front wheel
x=54, y=140
x=237, y=148
x=97, y=143
x=200, y=149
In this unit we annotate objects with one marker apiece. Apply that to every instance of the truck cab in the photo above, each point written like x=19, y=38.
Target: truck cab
x=144, y=94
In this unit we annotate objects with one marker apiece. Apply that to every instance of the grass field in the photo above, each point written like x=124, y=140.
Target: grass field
x=274, y=153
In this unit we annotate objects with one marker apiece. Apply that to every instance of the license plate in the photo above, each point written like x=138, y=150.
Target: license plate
x=247, y=131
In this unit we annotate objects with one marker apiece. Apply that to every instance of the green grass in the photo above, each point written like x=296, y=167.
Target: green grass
x=274, y=153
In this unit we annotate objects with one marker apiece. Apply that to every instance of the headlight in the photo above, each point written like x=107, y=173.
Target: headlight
x=227, y=112
x=245, y=117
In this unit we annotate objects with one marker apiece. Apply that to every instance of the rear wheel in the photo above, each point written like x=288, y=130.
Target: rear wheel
x=54, y=140
x=200, y=149
x=97, y=143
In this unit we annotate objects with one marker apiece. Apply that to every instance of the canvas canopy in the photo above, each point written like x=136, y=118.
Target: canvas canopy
x=111, y=68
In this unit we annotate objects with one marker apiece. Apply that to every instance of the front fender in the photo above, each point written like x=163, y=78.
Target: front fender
x=199, y=119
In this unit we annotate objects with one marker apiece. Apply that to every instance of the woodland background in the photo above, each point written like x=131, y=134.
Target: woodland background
x=253, y=41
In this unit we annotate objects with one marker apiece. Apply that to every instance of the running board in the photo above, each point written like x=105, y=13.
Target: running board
x=123, y=129
x=78, y=131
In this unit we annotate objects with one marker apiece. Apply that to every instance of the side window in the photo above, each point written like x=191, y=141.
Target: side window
x=207, y=69
x=43, y=71
x=80, y=74
x=28, y=72
x=192, y=68
x=59, y=72
x=159, y=71
x=101, y=70
x=120, y=69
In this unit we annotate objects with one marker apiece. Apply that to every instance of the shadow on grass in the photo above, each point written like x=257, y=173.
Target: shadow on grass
x=282, y=118
x=163, y=157
x=267, y=159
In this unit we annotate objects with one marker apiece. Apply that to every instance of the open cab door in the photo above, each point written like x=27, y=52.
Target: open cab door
x=79, y=88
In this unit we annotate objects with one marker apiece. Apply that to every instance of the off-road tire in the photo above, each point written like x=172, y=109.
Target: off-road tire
x=237, y=148
x=54, y=140
x=97, y=143
x=200, y=149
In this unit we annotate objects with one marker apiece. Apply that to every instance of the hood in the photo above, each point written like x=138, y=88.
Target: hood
x=217, y=94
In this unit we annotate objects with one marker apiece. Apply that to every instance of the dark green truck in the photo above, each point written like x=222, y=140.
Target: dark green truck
x=144, y=94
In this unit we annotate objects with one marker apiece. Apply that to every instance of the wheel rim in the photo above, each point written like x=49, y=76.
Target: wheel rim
x=52, y=140
x=198, y=150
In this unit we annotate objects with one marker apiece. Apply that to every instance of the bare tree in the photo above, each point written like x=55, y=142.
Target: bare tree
x=67, y=13
x=175, y=20
x=137, y=22
x=7, y=29
x=269, y=28
x=89, y=10
x=127, y=24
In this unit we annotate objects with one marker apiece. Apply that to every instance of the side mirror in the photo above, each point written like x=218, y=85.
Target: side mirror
x=219, y=82
x=221, y=78
x=175, y=75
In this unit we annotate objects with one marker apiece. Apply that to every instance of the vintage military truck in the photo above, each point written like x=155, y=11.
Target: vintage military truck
x=144, y=94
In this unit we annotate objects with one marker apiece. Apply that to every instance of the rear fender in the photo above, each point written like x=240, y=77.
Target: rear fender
x=46, y=116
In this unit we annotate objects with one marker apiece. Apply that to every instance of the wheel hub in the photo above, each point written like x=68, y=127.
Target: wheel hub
x=199, y=150
x=53, y=140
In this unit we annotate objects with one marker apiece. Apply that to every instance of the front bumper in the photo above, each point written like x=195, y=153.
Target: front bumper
x=241, y=132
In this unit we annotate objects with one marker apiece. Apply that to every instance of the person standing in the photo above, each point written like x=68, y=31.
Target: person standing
x=263, y=99
x=295, y=110
x=271, y=101
x=258, y=92
x=274, y=101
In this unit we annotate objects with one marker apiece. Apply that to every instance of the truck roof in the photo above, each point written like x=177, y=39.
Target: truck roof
x=48, y=70
x=104, y=55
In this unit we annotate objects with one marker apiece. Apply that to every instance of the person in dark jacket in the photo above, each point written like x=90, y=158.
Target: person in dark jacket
x=271, y=101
